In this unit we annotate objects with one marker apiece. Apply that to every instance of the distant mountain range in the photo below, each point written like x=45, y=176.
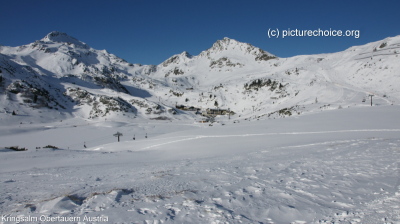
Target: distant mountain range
x=60, y=73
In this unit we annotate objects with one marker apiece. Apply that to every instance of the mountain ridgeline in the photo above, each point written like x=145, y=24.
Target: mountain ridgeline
x=60, y=73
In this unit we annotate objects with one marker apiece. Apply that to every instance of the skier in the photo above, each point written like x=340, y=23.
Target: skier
x=134, y=137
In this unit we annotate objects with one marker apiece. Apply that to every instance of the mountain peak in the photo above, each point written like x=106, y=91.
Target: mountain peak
x=177, y=58
x=186, y=54
x=236, y=47
x=60, y=37
x=220, y=45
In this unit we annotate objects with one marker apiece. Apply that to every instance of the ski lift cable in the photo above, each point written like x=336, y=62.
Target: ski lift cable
x=90, y=140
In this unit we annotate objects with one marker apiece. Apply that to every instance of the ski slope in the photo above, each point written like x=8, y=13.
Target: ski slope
x=336, y=166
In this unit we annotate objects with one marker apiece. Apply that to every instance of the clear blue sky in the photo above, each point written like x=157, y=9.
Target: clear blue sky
x=150, y=31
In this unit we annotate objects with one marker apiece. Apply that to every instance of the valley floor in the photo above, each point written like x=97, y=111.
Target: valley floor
x=340, y=166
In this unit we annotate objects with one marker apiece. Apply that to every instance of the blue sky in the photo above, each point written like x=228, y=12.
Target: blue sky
x=150, y=31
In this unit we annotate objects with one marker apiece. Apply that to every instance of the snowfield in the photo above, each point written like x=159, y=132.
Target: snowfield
x=335, y=166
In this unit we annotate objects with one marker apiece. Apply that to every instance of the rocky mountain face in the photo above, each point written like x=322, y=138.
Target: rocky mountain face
x=61, y=73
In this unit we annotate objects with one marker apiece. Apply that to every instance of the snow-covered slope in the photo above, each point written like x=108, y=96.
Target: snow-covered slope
x=339, y=166
x=62, y=73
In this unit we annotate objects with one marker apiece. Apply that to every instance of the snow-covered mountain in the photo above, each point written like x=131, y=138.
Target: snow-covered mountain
x=61, y=73
x=251, y=81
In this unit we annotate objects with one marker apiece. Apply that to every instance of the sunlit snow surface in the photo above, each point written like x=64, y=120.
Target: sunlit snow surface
x=338, y=166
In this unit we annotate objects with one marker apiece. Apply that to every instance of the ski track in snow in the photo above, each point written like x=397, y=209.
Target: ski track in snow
x=186, y=138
